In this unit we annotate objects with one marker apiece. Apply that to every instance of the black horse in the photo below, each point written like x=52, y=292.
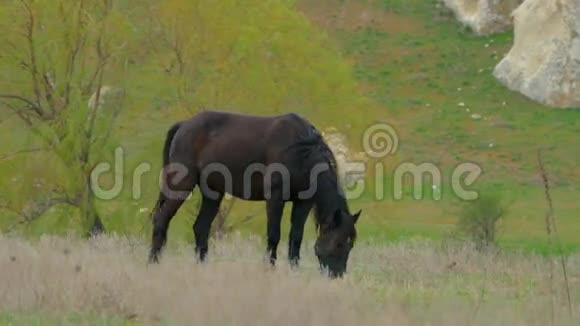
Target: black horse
x=275, y=159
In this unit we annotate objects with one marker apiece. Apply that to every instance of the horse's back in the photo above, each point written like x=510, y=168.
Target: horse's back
x=239, y=127
x=216, y=119
x=236, y=138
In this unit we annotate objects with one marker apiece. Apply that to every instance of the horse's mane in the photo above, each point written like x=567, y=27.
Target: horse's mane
x=309, y=150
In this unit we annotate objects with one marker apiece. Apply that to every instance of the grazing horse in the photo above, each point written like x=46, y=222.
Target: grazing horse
x=276, y=159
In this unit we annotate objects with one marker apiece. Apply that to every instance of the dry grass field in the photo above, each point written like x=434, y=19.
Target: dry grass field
x=57, y=280
x=422, y=72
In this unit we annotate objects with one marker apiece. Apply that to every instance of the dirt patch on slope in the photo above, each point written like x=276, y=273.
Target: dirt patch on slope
x=352, y=15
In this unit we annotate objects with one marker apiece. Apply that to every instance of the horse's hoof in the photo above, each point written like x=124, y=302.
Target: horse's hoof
x=153, y=259
x=294, y=266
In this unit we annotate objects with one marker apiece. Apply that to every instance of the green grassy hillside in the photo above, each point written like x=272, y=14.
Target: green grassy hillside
x=421, y=72
x=430, y=75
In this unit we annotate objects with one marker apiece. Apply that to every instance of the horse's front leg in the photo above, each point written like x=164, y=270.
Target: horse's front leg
x=274, y=209
x=300, y=210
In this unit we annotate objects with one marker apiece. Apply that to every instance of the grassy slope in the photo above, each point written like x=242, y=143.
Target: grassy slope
x=419, y=64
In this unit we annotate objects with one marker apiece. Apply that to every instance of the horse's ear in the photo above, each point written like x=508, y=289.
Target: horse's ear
x=357, y=215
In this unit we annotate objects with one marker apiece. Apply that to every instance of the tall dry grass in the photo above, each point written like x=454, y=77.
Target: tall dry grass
x=412, y=283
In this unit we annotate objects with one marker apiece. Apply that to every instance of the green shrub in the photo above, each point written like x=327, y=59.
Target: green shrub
x=478, y=220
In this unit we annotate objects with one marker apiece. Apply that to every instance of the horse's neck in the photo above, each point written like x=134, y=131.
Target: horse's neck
x=329, y=195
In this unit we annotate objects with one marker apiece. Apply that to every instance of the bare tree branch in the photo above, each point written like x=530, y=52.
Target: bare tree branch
x=178, y=50
x=36, y=209
x=29, y=103
x=27, y=118
x=20, y=113
x=100, y=66
x=78, y=43
x=550, y=220
x=39, y=208
x=32, y=55
x=9, y=156
x=103, y=57
x=49, y=89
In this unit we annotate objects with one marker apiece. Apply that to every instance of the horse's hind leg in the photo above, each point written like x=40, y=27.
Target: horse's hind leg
x=164, y=214
x=274, y=208
x=160, y=225
x=207, y=212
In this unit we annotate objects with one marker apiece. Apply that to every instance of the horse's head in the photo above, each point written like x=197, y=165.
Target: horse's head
x=335, y=240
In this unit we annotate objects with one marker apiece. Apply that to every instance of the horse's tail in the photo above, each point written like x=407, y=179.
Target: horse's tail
x=168, y=139
x=166, y=149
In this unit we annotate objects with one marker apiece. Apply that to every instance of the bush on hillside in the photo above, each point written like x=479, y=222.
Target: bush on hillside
x=478, y=220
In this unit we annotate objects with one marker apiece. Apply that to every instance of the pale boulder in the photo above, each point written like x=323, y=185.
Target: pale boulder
x=544, y=62
x=350, y=164
x=107, y=95
x=484, y=16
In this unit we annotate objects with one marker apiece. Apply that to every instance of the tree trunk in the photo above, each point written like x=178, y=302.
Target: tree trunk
x=97, y=226
x=91, y=219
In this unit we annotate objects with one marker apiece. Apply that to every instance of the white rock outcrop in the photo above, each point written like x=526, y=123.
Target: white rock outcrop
x=348, y=161
x=106, y=95
x=544, y=62
x=484, y=16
